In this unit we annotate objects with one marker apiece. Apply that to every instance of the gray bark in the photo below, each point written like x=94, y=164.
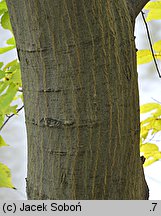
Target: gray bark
x=81, y=98
x=136, y=6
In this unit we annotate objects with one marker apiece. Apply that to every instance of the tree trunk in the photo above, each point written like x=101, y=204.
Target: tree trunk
x=81, y=99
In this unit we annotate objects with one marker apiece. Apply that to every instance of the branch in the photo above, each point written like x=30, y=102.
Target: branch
x=8, y=117
x=151, y=46
x=136, y=6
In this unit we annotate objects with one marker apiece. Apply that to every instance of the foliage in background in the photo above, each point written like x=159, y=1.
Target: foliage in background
x=152, y=124
x=154, y=13
x=10, y=83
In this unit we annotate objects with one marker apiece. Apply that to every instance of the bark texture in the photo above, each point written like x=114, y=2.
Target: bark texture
x=136, y=5
x=81, y=98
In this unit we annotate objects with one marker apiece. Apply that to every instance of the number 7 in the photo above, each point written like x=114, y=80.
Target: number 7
x=155, y=204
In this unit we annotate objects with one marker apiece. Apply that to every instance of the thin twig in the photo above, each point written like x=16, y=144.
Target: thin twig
x=8, y=117
x=151, y=46
x=156, y=100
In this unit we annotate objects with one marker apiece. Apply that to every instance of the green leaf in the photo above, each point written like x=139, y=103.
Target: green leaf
x=149, y=107
x=11, y=109
x=3, y=86
x=2, y=74
x=2, y=142
x=154, y=10
x=3, y=7
x=144, y=131
x=13, y=72
x=1, y=119
x=153, y=5
x=154, y=131
x=149, y=147
x=157, y=124
x=148, y=120
x=6, y=99
x=153, y=14
x=6, y=49
x=157, y=45
x=144, y=56
x=152, y=157
x=149, y=161
x=157, y=155
x=16, y=77
x=11, y=64
x=5, y=21
x=1, y=64
x=157, y=48
x=158, y=56
x=5, y=177
x=157, y=113
x=11, y=41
